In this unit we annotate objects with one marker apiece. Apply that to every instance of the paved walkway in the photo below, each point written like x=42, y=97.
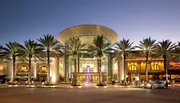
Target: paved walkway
x=88, y=95
x=68, y=85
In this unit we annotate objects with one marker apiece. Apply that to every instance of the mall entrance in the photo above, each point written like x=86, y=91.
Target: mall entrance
x=84, y=78
x=42, y=77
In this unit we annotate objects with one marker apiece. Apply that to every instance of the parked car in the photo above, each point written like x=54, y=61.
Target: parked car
x=157, y=84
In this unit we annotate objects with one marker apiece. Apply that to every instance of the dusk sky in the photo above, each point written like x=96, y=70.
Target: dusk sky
x=132, y=19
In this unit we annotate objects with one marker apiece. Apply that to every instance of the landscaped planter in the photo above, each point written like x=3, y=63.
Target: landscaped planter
x=48, y=84
x=13, y=83
x=29, y=83
x=100, y=84
x=75, y=85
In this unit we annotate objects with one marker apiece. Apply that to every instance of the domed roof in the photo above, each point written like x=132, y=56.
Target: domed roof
x=87, y=30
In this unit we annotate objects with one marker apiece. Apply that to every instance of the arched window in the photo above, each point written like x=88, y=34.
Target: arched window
x=132, y=67
x=155, y=67
x=23, y=68
x=43, y=69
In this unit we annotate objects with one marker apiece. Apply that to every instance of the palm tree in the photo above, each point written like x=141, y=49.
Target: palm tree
x=12, y=51
x=123, y=48
x=51, y=47
x=1, y=50
x=164, y=49
x=100, y=48
x=177, y=50
x=147, y=45
x=31, y=49
x=178, y=44
x=73, y=47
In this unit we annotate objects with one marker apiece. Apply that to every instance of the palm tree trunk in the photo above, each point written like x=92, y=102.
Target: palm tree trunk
x=146, y=67
x=100, y=71
x=48, y=61
x=165, y=67
x=14, y=70
x=75, y=80
x=29, y=79
x=124, y=69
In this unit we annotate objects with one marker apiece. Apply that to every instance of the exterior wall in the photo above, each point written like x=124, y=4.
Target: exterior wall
x=141, y=66
x=35, y=68
x=53, y=70
x=64, y=66
x=3, y=66
x=138, y=68
x=115, y=70
x=121, y=69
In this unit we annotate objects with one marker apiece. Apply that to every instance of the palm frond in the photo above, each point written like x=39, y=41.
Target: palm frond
x=100, y=47
x=49, y=43
x=123, y=47
x=74, y=46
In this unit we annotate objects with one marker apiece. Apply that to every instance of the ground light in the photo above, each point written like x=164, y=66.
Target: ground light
x=30, y=85
x=76, y=86
x=116, y=86
x=79, y=86
x=105, y=86
x=12, y=85
x=50, y=86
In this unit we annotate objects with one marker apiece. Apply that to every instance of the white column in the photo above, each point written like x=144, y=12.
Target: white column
x=53, y=71
x=57, y=69
x=35, y=69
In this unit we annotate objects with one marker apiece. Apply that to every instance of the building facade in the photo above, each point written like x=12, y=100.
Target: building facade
x=62, y=69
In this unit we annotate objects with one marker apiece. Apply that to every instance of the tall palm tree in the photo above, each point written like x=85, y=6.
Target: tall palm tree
x=100, y=48
x=31, y=49
x=73, y=47
x=123, y=48
x=177, y=50
x=1, y=47
x=147, y=45
x=164, y=49
x=51, y=47
x=1, y=50
x=12, y=51
x=178, y=44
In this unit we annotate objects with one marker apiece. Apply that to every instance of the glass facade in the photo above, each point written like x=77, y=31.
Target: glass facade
x=87, y=69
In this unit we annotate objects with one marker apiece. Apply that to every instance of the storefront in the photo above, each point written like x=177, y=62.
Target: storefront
x=174, y=69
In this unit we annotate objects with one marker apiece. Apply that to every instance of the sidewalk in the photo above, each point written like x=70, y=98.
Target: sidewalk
x=36, y=86
x=61, y=85
x=68, y=85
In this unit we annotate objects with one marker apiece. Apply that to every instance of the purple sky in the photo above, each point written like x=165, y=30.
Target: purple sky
x=131, y=19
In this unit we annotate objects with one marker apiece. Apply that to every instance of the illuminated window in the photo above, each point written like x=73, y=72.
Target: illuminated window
x=155, y=67
x=43, y=69
x=132, y=67
x=1, y=67
x=23, y=69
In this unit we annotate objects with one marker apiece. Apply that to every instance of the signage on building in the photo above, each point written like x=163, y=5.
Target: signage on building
x=143, y=58
x=174, y=64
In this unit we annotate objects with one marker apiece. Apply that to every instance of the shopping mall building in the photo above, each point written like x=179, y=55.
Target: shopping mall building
x=62, y=68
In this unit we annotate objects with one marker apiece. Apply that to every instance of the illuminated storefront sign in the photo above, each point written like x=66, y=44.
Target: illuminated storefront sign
x=143, y=58
x=174, y=65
